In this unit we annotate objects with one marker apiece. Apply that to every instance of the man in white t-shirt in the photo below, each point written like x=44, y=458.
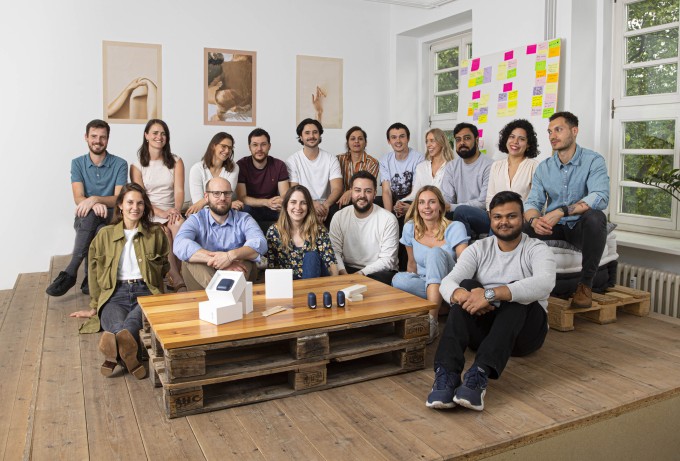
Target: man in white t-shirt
x=365, y=237
x=316, y=169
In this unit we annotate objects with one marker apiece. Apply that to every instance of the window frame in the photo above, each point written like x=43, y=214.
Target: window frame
x=463, y=42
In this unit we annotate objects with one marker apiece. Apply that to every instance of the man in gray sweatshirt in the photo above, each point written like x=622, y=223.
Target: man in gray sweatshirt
x=498, y=292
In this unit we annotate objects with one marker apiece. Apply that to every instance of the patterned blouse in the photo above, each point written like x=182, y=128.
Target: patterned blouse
x=366, y=163
x=279, y=257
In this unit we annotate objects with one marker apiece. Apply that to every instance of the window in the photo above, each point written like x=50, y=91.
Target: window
x=446, y=57
x=646, y=113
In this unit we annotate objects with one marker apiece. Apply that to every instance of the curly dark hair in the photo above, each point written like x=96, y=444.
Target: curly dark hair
x=532, y=139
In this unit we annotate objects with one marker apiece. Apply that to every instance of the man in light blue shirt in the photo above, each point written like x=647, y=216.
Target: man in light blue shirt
x=573, y=186
x=218, y=238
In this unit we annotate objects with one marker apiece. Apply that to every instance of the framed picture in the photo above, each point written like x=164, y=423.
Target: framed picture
x=229, y=87
x=132, y=82
x=319, y=90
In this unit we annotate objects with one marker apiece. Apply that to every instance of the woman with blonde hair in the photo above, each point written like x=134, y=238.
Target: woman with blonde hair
x=433, y=244
x=431, y=172
x=298, y=240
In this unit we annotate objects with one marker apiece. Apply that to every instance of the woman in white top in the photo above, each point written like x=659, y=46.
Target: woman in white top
x=518, y=140
x=431, y=171
x=161, y=174
x=218, y=161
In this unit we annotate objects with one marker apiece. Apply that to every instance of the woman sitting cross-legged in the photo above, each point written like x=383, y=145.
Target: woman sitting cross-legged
x=298, y=240
x=127, y=259
x=433, y=244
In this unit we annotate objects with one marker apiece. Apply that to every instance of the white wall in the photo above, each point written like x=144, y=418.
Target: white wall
x=52, y=73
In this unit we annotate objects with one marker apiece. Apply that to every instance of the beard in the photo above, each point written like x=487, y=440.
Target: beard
x=219, y=210
x=467, y=153
x=362, y=209
x=508, y=237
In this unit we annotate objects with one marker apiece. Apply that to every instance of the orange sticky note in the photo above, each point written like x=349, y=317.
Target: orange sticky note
x=553, y=52
x=540, y=73
x=552, y=78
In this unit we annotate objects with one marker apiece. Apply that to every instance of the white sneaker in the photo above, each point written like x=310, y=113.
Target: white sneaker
x=434, y=329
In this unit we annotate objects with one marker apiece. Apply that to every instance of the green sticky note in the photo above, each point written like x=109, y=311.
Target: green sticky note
x=554, y=43
x=512, y=73
x=547, y=113
x=540, y=65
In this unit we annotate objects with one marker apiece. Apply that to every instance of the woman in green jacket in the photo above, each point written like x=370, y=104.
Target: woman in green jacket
x=127, y=259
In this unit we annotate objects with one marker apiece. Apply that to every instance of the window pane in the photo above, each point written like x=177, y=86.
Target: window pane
x=447, y=104
x=650, y=134
x=447, y=58
x=447, y=81
x=652, y=80
x=646, y=202
x=650, y=47
x=650, y=13
x=638, y=166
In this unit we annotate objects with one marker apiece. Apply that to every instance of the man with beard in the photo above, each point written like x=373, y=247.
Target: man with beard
x=316, y=169
x=96, y=180
x=218, y=238
x=573, y=186
x=465, y=181
x=498, y=292
x=365, y=237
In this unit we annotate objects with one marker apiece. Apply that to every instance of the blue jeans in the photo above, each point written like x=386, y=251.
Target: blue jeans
x=313, y=266
x=476, y=220
x=121, y=311
x=438, y=263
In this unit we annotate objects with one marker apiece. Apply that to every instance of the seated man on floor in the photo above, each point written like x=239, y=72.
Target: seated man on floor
x=573, y=186
x=218, y=238
x=498, y=292
x=262, y=180
x=466, y=179
x=365, y=237
x=96, y=180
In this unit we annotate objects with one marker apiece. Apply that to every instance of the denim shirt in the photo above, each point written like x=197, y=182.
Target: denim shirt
x=583, y=178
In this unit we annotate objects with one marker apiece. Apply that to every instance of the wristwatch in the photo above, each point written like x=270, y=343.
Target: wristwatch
x=565, y=210
x=489, y=294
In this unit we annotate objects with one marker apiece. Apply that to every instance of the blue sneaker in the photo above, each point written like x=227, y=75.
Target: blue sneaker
x=471, y=393
x=443, y=388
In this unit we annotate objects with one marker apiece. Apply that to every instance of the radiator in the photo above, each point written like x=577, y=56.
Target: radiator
x=663, y=286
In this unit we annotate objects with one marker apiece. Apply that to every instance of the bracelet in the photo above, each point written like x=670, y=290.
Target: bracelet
x=531, y=220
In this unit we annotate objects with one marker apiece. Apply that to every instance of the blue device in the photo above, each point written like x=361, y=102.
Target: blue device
x=311, y=300
x=327, y=300
x=341, y=299
x=225, y=285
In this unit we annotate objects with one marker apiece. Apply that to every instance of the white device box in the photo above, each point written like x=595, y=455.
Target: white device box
x=226, y=304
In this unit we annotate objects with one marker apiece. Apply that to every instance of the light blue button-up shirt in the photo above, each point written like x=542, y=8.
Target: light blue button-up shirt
x=201, y=231
x=99, y=180
x=583, y=178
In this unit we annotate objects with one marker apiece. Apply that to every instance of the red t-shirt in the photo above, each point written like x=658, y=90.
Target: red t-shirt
x=262, y=183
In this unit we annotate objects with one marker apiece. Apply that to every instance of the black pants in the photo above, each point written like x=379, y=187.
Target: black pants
x=589, y=235
x=380, y=276
x=511, y=329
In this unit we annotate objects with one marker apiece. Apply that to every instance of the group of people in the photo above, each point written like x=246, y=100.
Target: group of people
x=320, y=215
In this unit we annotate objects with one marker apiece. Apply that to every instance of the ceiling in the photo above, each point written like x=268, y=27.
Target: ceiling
x=427, y=4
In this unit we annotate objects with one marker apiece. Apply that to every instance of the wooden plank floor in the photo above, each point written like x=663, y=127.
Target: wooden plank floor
x=62, y=408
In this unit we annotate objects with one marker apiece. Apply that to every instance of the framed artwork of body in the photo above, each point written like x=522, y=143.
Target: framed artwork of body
x=132, y=82
x=319, y=90
x=229, y=87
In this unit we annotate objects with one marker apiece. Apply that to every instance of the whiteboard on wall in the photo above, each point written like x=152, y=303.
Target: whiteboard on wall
x=500, y=87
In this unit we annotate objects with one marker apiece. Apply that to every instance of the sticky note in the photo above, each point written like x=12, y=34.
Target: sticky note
x=547, y=113
x=470, y=111
x=475, y=105
x=539, y=81
x=464, y=68
x=512, y=73
x=554, y=52
x=487, y=74
x=475, y=64
x=502, y=97
x=540, y=65
x=549, y=99
x=542, y=46
x=536, y=101
x=502, y=71
x=472, y=82
x=512, y=111
x=540, y=73
x=551, y=88
x=502, y=112
x=502, y=105
x=480, y=80
x=484, y=100
x=507, y=86
x=554, y=43
x=536, y=111
x=554, y=67
x=531, y=49
x=509, y=55
x=512, y=104
x=483, y=110
x=512, y=96
x=475, y=117
x=552, y=78
x=483, y=118
x=476, y=94
x=481, y=133
x=512, y=64
x=538, y=90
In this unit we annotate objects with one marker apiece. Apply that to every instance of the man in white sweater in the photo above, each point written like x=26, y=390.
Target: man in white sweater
x=365, y=237
x=498, y=292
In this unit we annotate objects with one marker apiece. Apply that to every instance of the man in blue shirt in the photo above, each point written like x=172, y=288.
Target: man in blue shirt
x=96, y=180
x=573, y=185
x=218, y=238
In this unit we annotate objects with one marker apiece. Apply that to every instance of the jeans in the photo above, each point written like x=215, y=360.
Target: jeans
x=511, y=329
x=589, y=234
x=313, y=266
x=121, y=311
x=438, y=263
x=476, y=220
x=264, y=216
x=86, y=228
x=380, y=276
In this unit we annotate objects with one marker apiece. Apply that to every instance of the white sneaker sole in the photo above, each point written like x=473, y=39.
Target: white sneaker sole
x=466, y=404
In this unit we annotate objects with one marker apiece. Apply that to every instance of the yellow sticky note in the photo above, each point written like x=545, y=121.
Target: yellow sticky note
x=512, y=104
x=536, y=101
x=551, y=88
x=512, y=95
x=502, y=112
x=484, y=99
x=512, y=111
x=540, y=73
x=554, y=52
x=552, y=78
x=553, y=68
x=502, y=71
x=482, y=118
x=472, y=82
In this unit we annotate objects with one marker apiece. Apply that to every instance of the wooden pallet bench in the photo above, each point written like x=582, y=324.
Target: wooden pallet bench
x=603, y=309
x=297, y=351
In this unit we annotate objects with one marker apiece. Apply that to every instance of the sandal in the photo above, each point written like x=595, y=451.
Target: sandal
x=128, y=349
x=108, y=347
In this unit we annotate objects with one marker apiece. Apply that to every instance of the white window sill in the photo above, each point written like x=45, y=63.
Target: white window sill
x=667, y=245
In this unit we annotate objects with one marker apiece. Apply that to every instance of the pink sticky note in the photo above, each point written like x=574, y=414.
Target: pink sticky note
x=476, y=94
x=509, y=55
x=481, y=133
x=507, y=87
x=475, y=65
x=531, y=49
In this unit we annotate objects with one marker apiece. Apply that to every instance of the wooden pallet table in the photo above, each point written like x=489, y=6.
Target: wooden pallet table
x=203, y=367
x=603, y=309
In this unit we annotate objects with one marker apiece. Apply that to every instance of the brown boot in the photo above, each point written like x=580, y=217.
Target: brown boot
x=583, y=297
x=107, y=346
x=127, y=349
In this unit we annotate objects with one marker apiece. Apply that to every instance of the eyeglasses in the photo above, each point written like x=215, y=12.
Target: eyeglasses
x=219, y=193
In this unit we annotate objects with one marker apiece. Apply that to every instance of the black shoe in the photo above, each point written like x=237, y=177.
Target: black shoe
x=61, y=284
x=84, y=287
